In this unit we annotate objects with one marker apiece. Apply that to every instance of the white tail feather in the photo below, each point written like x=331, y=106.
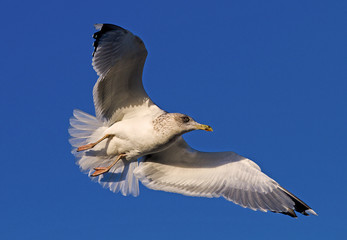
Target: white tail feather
x=85, y=129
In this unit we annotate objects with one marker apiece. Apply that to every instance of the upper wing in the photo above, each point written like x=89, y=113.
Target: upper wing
x=118, y=59
x=184, y=170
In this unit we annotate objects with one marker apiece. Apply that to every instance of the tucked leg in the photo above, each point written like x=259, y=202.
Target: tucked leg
x=91, y=145
x=102, y=170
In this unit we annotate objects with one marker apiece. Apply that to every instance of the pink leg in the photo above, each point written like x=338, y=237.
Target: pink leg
x=102, y=170
x=91, y=145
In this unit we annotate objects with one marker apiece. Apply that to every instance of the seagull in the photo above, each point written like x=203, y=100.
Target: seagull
x=132, y=139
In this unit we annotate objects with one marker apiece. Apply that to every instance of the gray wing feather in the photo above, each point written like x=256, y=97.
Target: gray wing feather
x=118, y=58
x=181, y=169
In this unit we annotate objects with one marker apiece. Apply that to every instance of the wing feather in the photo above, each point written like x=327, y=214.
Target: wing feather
x=184, y=170
x=118, y=58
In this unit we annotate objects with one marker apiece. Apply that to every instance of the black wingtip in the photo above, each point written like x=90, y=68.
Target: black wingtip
x=290, y=212
x=104, y=28
x=299, y=205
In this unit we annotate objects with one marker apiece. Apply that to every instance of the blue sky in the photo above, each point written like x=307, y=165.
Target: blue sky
x=268, y=76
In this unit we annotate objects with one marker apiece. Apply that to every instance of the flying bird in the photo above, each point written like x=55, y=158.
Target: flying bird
x=132, y=139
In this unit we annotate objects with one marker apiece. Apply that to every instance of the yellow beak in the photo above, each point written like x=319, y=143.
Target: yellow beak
x=204, y=127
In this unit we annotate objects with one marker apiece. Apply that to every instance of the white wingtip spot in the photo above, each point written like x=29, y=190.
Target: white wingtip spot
x=98, y=26
x=310, y=211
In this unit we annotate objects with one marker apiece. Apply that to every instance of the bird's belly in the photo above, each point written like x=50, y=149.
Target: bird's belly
x=132, y=139
x=136, y=146
x=129, y=146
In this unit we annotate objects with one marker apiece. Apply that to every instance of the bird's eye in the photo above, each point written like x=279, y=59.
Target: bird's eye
x=185, y=119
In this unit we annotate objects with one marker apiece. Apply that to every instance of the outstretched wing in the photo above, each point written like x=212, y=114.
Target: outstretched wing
x=118, y=59
x=181, y=169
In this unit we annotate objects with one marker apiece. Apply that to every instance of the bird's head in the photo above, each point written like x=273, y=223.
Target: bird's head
x=178, y=124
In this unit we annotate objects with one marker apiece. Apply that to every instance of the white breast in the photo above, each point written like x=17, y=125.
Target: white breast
x=134, y=137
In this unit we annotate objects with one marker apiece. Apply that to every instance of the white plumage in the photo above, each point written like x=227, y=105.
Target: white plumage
x=129, y=127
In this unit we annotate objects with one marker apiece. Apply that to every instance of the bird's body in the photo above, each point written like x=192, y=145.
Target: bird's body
x=134, y=135
x=129, y=128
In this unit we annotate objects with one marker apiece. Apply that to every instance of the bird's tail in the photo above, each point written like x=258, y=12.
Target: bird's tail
x=84, y=129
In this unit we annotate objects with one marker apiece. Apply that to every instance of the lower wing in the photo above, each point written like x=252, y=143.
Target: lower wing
x=181, y=169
